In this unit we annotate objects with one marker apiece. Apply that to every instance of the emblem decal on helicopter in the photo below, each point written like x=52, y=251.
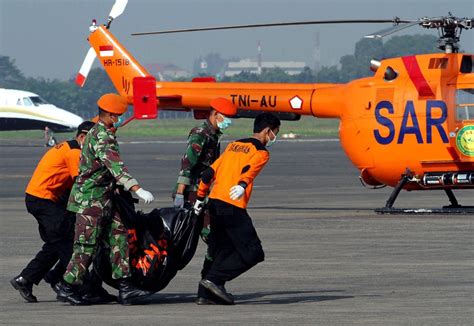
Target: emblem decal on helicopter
x=106, y=50
x=296, y=103
x=465, y=140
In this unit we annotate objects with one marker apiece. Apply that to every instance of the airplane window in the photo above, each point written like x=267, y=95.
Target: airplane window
x=37, y=101
x=465, y=104
x=27, y=101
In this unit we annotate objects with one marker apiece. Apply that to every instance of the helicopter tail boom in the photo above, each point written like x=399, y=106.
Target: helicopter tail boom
x=119, y=64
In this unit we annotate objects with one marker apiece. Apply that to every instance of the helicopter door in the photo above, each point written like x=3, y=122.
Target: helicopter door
x=465, y=124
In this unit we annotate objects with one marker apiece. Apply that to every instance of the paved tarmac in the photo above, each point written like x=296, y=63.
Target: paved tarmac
x=330, y=260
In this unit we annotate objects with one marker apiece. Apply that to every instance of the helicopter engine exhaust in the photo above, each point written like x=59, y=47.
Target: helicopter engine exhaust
x=440, y=179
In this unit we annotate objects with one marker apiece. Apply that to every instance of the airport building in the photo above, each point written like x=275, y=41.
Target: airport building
x=236, y=67
x=167, y=71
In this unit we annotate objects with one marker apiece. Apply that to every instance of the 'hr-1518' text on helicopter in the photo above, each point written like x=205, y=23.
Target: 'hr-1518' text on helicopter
x=409, y=126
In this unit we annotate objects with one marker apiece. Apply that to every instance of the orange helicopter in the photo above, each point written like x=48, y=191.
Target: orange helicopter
x=409, y=126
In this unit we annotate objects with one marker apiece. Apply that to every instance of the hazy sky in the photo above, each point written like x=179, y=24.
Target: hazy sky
x=48, y=37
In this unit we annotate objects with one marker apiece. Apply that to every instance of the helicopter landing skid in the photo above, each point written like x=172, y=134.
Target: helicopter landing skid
x=454, y=208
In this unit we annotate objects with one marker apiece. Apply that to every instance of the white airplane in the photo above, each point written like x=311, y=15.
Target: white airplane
x=21, y=110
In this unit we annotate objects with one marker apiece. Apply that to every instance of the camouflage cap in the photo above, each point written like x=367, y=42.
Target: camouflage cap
x=113, y=103
x=224, y=106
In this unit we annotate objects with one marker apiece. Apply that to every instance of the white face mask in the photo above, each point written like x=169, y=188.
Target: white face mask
x=224, y=124
x=119, y=122
x=271, y=142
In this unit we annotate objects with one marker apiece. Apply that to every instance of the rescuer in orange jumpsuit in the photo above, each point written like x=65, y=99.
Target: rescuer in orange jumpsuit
x=233, y=243
x=46, y=198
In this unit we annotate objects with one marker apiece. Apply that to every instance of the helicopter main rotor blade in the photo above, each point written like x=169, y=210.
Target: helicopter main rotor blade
x=387, y=31
x=315, y=22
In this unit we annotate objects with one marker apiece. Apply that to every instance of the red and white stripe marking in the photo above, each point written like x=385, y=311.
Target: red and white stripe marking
x=106, y=51
x=85, y=68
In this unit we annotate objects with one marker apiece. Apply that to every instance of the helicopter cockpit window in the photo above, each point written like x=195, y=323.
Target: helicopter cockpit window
x=465, y=104
x=27, y=102
x=37, y=101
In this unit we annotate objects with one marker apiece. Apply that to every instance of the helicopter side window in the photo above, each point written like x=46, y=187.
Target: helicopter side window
x=27, y=102
x=37, y=101
x=466, y=64
x=465, y=104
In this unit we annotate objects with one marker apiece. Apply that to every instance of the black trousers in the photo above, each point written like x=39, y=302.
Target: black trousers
x=56, y=228
x=233, y=244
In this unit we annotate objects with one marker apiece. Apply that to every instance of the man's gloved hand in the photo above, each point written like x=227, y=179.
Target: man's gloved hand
x=198, y=205
x=236, y=192
x=145, y=195
x=178, y=201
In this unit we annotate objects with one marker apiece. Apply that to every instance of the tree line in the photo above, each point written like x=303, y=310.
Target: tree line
x=82, y=101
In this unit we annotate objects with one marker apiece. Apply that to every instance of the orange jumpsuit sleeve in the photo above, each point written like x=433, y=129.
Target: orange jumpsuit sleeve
x=253, y=168
x=207, y=179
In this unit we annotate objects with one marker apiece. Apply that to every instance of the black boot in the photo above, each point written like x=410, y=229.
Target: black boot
x=70, y=293
x=99, y=296
x=206, y=297
x=25, y=288
x=218, y=290
x=129, y=294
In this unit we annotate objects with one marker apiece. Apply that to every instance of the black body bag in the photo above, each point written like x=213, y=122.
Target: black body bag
x=161, y=243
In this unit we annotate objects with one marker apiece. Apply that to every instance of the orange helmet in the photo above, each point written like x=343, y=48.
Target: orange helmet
x=224, y=106
x=113, y=103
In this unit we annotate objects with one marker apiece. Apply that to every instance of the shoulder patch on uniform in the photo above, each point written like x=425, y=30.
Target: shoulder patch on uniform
x=196, y=147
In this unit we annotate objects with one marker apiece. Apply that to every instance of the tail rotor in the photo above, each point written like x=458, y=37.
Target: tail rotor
x=117, y=9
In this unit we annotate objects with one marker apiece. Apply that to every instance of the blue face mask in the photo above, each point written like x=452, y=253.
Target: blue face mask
x=119, y=122
x=224, y=124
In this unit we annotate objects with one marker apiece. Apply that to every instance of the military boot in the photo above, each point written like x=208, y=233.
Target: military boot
x=129, y=294
x=218, y=290
x=99, y=296
x=70, y=293
x=25, y=288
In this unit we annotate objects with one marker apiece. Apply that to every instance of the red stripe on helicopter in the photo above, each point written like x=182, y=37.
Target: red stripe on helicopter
x=416, y=76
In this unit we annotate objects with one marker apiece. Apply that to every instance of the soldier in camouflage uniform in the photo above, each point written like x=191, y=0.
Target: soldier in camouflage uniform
x=203, y=149
x=91, y=199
